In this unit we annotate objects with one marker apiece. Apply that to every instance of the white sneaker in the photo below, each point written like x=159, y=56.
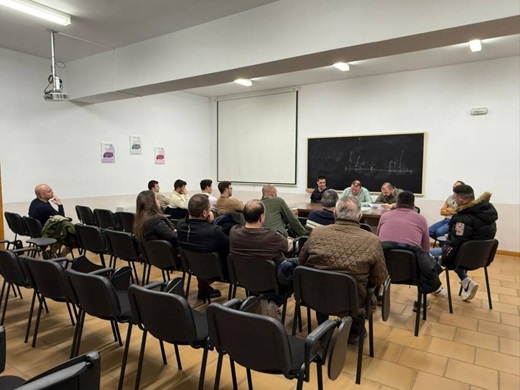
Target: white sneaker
x=441, y=292
x=469, y=291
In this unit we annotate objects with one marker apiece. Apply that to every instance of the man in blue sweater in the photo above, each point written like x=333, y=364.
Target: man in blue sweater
x=41, y=208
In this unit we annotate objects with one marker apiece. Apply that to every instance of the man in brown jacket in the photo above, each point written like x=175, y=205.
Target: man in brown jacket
x=345, y=247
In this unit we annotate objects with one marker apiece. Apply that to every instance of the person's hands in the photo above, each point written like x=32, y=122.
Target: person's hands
x=386, y=206
x=211, y=217
x=56, y=201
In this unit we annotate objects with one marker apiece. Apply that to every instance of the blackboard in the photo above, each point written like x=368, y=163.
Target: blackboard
x=374, y=159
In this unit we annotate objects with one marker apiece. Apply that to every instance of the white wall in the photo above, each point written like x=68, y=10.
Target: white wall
x=59, y=142
x=483, y=151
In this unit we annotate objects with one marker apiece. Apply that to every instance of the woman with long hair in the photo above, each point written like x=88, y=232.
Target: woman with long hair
x=150, y=223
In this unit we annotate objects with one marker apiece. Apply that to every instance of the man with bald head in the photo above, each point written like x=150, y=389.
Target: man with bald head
x=278, y=215
x=41, y=208
x=359, y=192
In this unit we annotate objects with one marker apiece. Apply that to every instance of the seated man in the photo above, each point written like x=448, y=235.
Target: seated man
x=206, y=187
x=345, y=247
x=319, y=190
x=198, y=234
x=326, y=216
x=474, y=219
x=178, y=206
x=164, y=201
x=405, y=226
x=359, y=192
x=225, y=203
x=441, y=228
x=278, y=215
x=257, y=241
x=388, y=196
x=41, y=208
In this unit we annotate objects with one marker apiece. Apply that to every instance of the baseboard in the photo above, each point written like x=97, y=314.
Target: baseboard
x=508, y=253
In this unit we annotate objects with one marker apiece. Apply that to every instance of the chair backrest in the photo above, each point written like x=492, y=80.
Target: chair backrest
x=254, y=274
x=476, y=253
x=48, y=277
x=15, y=223
x=206, y=266
x=366, y=227
x=3, y=349
x=177, y=213
x=126, y=220
x=95, y=294
x=122, y=245
x=11, y=268
x=254, y=341
x=80, y=373
x=91, y=238
x=160, y=254
x=326, y=292
x=85, y=215
x=166, y=316
x=298, y=244
x=402, y=266
x=34, y=227
x=105, y=219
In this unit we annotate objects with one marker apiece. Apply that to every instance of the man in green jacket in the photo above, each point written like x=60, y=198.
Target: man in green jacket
x=278, y=215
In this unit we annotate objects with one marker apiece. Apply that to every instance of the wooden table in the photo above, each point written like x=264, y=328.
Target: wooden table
x=370, y=216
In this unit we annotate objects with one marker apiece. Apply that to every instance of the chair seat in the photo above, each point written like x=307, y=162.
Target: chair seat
x=8, y=382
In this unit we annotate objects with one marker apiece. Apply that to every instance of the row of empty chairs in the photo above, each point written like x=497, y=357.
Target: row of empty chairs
x=106, y=219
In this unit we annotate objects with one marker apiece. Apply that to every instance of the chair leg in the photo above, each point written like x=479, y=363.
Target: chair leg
x=249, y=380
x=102, y=259
x=163, y=352
x=5, y=303
x=37, y=325
x=371, y=335
x=296, y=317
x=319, y=376
x=177, y=356
x=230, y=291
x=360, y=358
x=425, y=306
x=488, y=289
x=188, y=286
x=203, y=365
x=284, y=311
x=2, y=293
x=219, y=370
x=418, y=313
x=125, y=356
x=70, y=313
x=76, y=341
x=309, y=320
x=233, y=374
x=29, y=320
x=301, y=377
x=116, y=326
x=141, y=358
x=449, y=290
x=19, y=292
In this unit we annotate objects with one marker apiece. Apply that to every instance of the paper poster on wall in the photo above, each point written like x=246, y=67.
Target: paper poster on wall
x=159, y=155
x=108, y=152
x=136, y=144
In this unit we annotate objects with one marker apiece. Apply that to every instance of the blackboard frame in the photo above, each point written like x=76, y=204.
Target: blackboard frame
x=372, y=159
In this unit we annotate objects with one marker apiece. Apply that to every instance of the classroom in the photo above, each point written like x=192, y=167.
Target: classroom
x=406, y=76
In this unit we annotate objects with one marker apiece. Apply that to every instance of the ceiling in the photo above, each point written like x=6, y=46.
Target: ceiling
x=118, y=23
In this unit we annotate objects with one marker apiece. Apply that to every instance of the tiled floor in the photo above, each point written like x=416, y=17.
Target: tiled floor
x=473, y=348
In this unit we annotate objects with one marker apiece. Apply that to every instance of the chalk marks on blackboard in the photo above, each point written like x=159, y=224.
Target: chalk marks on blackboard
x=358, y=164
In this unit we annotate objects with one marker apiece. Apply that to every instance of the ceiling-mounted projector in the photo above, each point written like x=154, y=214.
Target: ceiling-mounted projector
x=54, y=90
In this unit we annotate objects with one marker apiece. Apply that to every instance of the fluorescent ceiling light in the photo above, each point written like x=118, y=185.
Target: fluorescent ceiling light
x=475, y=45
x=244, y=82
x=38, y=10
x=343, y=66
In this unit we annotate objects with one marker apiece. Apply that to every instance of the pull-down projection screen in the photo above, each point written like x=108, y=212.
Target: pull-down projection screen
x=257, y=139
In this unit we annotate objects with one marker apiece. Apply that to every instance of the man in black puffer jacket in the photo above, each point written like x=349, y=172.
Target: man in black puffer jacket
x=475, y=219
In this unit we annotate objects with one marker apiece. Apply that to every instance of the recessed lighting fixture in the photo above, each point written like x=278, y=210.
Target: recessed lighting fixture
x=343, y=66
x=38, y=10
x=475, y=45
x=244, y=82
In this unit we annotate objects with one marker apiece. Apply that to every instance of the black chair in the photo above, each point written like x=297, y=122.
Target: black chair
x=82, y=372
x=332, y=293
x=15, y=223
x=104, y=298
x=122, y=245
x=403, y=269
x=40, y=244
x=257, y=276
x=14, y=275
x=92, y=239
x=471, y=256
x=86, y=216
x=176, y=213
x=167, y=316
x=366, y=227
x=106, y=219
x=298, y=244
x=205, y=266
x=49, y=281
x=125, y=220
x=260, y=343
x=163, y=255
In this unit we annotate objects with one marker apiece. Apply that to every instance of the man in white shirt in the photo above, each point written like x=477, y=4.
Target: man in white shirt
x=178, y=207
x=206, y=187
